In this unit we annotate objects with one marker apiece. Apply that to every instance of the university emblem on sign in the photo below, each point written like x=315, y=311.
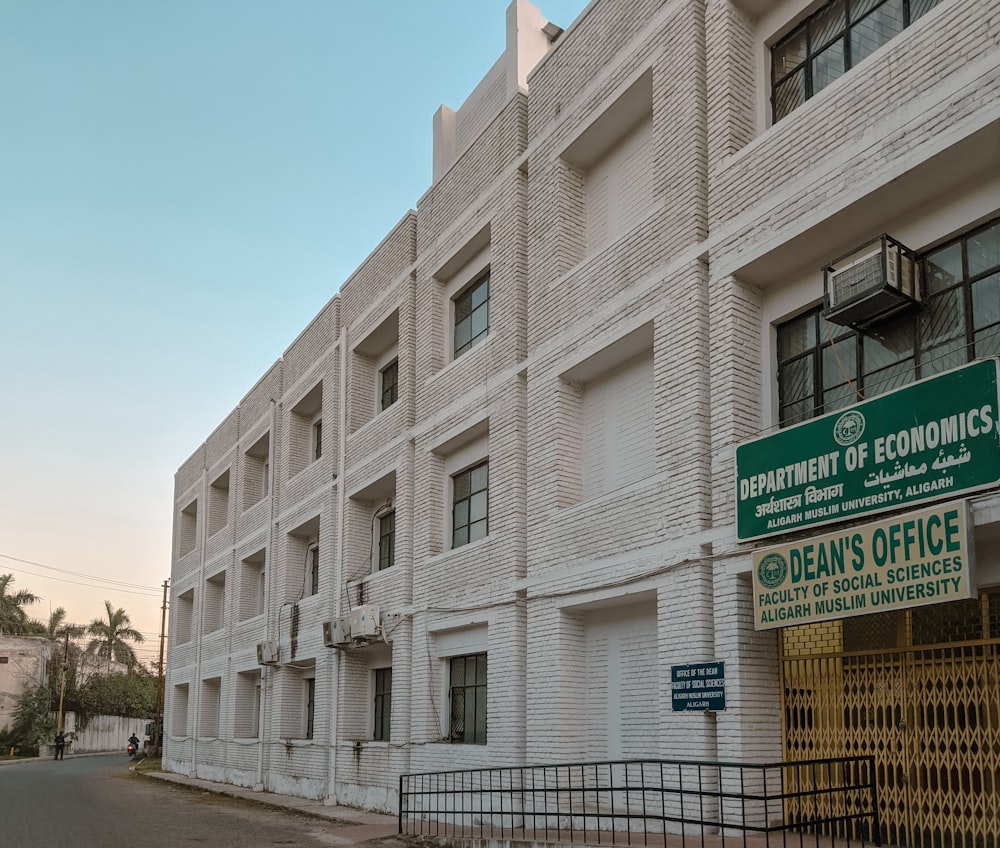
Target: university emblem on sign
x=772, y=570
x=849, y=428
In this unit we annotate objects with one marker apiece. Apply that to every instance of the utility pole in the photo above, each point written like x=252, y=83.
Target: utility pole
x=62, y=686
x=159, y=681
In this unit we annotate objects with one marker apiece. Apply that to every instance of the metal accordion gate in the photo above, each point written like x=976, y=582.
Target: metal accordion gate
x=919, y=690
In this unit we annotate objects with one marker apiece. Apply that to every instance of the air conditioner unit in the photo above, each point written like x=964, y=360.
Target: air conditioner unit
x=872, y=283
x=364, y=621
x=337, y=632
x=267, y=653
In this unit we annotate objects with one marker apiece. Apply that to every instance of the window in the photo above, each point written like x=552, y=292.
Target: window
x=472, y=315
x=305, y=431
x=389, y=382
x=312, y=565
x=309, y=707
x=830, y=42
x=247, y=717
x=387, y=540
x=823, y=367
x=251, y=586
x=383, y=704
x=467, y=694
x=317, y=438
x=470, y=511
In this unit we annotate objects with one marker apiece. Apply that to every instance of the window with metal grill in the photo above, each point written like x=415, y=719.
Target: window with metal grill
x=383, y=704
x=823, y=367
x=831, y=41
x=467, y=694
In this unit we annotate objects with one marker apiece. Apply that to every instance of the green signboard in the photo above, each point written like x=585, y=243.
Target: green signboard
x=934, y=439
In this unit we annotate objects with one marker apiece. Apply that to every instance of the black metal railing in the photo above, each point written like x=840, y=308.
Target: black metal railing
x=649, y=802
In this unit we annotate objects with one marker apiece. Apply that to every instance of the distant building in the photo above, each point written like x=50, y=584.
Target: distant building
x=487, y=506
x=23, y=665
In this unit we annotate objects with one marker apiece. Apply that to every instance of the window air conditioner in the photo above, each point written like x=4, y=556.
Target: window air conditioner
x=871, y=283
x=364, y=621
x=267, y=653
x=337, y=632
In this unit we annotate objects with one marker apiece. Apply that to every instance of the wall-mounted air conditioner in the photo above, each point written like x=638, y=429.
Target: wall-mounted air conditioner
x=364, y=621
x=337, y=632
x=871, y=283
x=267, y=653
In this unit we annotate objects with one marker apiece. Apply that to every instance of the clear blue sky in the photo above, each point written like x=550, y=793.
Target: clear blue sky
x=183, y=185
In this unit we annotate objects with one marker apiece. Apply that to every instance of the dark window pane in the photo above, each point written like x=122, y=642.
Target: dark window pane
x=797, y=336
x=461, y=512
x=986, y=301
x=894, y=343
x=480, y=293
x=460, y=537
x=859, y=8
x=796, y=412
x=919, y=8
x=826, y=25
x=480, y=321
x=984, y=250
x=944, y=356
x=875, y=30
x=944, y=268
x=839, y=396
x=789, y=94
x=840, y=363
x=828, y=66
x=888, y=379
x=796, y=379
x=788, y=54
x=988, y=341
x=944, y=318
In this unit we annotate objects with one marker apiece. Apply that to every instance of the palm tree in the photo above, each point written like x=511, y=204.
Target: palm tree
x=111, y=637
x=13, y=619
x=57, y=628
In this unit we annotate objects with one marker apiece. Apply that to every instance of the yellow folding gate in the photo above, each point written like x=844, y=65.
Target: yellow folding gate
x=919, y=690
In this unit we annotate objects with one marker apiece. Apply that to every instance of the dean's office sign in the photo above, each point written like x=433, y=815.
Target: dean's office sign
x=936, y=438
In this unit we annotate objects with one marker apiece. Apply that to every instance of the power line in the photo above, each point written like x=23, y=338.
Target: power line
x=78, y=574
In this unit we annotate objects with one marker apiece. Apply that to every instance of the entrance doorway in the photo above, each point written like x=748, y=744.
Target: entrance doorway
x=919, y=690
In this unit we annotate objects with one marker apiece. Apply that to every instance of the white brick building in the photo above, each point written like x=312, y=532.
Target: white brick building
x=514, y=429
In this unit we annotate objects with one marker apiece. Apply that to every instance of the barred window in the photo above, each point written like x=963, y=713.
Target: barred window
x=823, y=367
x=467, y=694
x=830, y=42
x=383, y=704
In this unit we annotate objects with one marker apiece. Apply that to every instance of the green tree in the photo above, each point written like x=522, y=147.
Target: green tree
x=132, y=695
x=112, y=637
x=14, y=620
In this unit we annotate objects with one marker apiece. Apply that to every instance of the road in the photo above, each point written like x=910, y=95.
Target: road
x=96, y=802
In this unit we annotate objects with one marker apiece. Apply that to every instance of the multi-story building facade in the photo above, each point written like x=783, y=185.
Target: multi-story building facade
x=507, y=447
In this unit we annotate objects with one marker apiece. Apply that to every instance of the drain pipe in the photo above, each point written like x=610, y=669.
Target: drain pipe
x=263, y=728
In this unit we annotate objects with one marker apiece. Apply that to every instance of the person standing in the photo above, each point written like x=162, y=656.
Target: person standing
x=60, y=744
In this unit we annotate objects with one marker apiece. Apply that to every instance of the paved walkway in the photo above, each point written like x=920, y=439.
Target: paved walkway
x=353, y=826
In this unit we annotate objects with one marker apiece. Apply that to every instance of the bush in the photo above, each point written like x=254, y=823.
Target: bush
x=32, y=726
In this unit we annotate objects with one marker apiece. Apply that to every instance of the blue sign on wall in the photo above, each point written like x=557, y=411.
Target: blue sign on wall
x=698, y=687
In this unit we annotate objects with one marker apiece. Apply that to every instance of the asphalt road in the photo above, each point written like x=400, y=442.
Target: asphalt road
x=96, y=802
